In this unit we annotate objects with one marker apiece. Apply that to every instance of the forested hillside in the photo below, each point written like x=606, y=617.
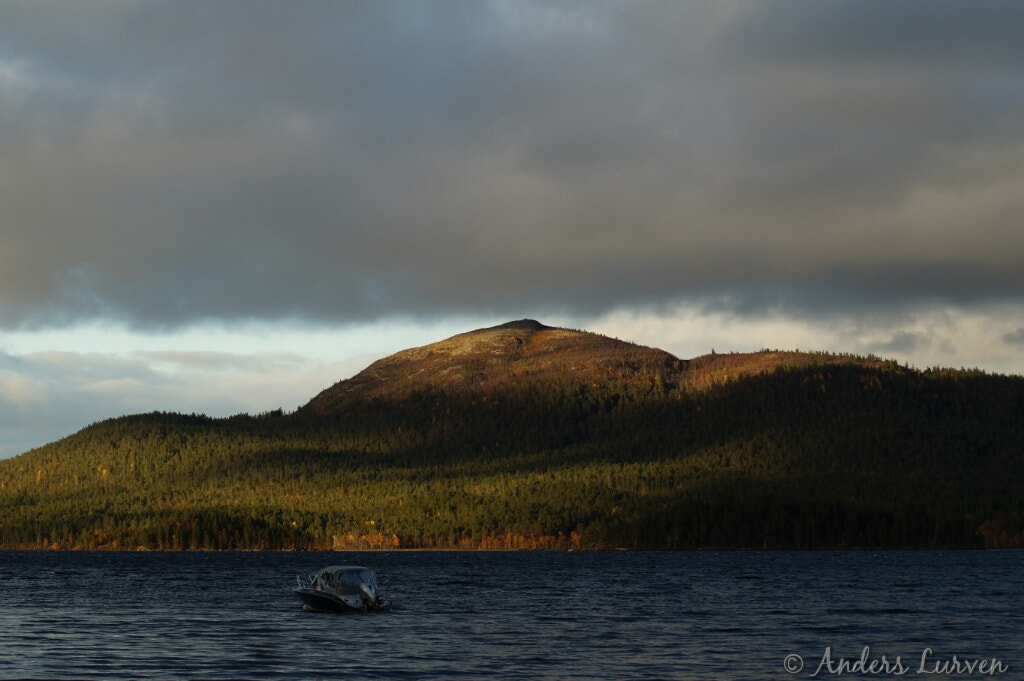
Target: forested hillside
x=523, y=436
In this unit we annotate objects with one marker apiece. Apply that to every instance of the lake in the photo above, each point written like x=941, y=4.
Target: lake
x=468, y=615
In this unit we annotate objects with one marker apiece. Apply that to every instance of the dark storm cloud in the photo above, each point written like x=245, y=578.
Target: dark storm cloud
x=887, y=34
x=167, y=162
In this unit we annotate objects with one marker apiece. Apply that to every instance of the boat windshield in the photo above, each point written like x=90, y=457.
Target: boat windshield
x=356, y=578
x=348, y=578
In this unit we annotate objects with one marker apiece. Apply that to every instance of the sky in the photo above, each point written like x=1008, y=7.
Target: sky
x=226, y=207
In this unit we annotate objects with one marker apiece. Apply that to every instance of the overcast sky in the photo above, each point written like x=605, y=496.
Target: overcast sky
x=228, y=206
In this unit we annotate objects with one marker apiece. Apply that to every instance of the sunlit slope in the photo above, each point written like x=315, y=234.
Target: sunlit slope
x=526, y=436
x=526, y=351
x=492, y=359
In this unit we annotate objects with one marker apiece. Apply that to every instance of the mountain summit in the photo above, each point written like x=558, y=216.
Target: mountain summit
x=487, y=359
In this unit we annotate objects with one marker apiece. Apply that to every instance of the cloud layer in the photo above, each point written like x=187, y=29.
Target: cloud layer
x=163, y=163
x=349, y=179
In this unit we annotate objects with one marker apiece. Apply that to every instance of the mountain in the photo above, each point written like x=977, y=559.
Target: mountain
x=528, y=436
x=489, y=360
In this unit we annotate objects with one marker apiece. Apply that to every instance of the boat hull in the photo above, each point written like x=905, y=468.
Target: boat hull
x=320, y=601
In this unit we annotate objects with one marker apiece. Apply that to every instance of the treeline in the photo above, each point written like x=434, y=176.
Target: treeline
x=822, y=455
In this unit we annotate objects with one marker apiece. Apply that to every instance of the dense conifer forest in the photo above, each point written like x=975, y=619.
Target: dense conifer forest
x=527, y=437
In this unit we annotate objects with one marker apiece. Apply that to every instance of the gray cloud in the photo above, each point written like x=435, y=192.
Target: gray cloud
x=902, y=342
x=1014, y=337
x=163, y=163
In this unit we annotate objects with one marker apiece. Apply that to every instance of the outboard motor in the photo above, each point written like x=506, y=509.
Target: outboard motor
x=366, y=593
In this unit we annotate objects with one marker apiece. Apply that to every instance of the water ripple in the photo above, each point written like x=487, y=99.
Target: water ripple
x=707, y=615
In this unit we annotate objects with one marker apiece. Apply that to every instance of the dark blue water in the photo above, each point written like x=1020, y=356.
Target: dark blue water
x=707, y=615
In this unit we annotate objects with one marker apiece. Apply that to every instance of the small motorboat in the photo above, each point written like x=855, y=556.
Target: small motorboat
x=341, y=588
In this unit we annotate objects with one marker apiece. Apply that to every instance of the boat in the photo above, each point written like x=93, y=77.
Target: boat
x=341, y=588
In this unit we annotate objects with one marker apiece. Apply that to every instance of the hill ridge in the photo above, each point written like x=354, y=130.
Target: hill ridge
x=489, y=358
x=529, y=436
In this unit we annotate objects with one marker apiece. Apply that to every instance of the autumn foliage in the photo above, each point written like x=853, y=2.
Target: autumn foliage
x=527, y=437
